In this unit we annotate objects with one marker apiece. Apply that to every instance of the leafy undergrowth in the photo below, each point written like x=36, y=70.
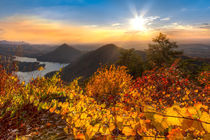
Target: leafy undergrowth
x=162, y=104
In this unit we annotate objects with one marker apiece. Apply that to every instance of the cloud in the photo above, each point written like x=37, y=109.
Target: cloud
x=176, y=25
x=205, y=27
x=151, y=18
x=37, y=30
x=165, y=19
x=116, y=24
x=179, y=31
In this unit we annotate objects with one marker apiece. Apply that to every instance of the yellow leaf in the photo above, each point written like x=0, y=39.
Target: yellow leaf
x=92, y=130
x=96, y=128
x=104, y=130
x=192, y=110
x=111, y=126
x=128, y=131
x=83, y=116
x=119, y=119
x=205, y=117
x=172, y=111
x=158, y=118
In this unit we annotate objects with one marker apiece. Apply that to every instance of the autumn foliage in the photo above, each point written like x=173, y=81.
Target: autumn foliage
x=167, y=86
x=109, y=84
x=160, y=104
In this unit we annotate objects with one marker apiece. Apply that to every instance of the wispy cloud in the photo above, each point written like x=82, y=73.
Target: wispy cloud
x=116, y=24
x=165, y=19
x=205, y=27
x=54, y=31
x=151, y=18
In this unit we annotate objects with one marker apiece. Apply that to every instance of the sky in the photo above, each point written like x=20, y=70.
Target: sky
x=97, y=21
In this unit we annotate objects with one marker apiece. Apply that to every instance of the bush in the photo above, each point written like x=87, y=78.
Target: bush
x=109, y=84
x=167, y=86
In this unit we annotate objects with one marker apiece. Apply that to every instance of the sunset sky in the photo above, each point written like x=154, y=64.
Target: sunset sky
x=96, y=21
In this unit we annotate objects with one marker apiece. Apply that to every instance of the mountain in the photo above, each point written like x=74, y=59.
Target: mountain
x=62, y=54
x=88, y=63
x=23, y=49
x=196, y=50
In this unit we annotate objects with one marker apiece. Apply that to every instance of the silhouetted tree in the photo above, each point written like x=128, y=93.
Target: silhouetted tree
x=162, y=52
x=132, y=61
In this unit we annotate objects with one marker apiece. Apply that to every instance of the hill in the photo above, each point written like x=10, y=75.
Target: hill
x=87, y=64
x=196, y=50
x=62, y=54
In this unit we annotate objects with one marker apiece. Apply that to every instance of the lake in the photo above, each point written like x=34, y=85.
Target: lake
x=27, y=76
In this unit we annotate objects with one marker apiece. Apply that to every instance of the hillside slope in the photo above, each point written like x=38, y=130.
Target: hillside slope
x=62, y=54
x=87, y=64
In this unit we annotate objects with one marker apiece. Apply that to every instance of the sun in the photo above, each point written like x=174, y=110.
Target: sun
x=138, y=23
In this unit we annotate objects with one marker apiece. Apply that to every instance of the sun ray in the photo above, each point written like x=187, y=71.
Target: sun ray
x=138, y=23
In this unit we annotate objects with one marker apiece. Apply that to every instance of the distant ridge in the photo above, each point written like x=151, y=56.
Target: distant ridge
x=13, y=42
x=87, y=64
x=196, y=50
x=62, y=54
x=21, y=48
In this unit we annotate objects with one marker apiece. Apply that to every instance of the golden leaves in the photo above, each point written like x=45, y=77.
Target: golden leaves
x=92, y=112
x=173, y=120
x=107, y=83
x=128, y=131
x=105, y=130
x=205, y=117
x=158, y=118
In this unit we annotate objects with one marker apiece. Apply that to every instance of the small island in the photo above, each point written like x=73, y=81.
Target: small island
x=10, y=64
x=28, y=66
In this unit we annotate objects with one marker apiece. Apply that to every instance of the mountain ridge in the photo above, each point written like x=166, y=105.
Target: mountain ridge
x=62, y=54
x=88, y=63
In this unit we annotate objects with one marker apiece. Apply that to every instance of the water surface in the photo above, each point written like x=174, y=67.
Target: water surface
x=49, y=67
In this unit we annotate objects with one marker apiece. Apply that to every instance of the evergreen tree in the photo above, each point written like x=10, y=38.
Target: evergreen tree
x=162, y=52
x=132, y=61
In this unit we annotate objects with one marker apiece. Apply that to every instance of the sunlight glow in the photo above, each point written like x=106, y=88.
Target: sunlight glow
x=138, y=23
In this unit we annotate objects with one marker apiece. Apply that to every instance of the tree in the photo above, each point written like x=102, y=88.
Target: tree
x=162, y=52
x=132, y=61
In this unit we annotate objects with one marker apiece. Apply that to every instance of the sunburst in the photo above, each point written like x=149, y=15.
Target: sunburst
x=138, y=23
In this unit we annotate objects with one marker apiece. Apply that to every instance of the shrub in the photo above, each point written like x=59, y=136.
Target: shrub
x=168, y=86
x=109, y=84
